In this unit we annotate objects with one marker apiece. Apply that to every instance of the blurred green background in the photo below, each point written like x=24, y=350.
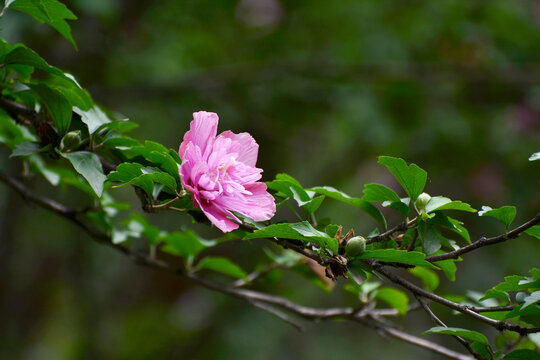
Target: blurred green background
x=325, y=87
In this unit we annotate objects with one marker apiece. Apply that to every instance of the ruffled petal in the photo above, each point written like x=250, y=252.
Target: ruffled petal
x=244, y=145
x=202, y=133
x=259, y=206
x=217, y=216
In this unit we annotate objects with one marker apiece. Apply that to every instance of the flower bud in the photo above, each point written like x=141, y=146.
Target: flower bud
x=355, y=246
x=520, y=297
x=422, y=201
x=71, y=141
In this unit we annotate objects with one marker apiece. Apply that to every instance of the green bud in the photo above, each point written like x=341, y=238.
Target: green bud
x=422, y=201
x=71, y=141
x=355, y=246
x=520, y=297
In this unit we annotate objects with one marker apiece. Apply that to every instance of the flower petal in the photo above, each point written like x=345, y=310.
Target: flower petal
x=259, y=206
x=202, y=132
x=244, y=145
x=217, y=216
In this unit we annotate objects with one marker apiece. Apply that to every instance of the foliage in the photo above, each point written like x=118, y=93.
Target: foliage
x=56, y=130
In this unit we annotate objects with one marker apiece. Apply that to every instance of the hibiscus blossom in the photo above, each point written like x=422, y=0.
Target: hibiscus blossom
x=220, y=173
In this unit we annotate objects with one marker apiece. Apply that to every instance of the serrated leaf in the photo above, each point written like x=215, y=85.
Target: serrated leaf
x=429, y=278
x=356, y=202
x=88, y=165
x=378, y=192
x=397, y=299
x=50, y=11
x=438, y=203
x=21, y=55
x=185, y=243
x=290, y=187
x=534, y=231
x=411, y=177
x=57, y=105
x=429, y=236
x=464, y=333
x=302, y=231
x=400, y=256
x=222, y=265
x=448, y=267
x=25, y=148
x=522, y=354
x=70, y=88
x=504, y=214
x=534, y=298
x=94, y=118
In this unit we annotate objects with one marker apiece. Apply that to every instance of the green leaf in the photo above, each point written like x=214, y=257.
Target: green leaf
x=402, y=206
x=411, y=177
x=356, y=202
x=94, y=118
x=290, y=187
x=430, y=237
x=534, y=298
x=429, y=278
x=314, y=204
x=21, y=55
x=302, y=231
x=185, y=243
x=50, y=11
x=378, y=192
x=57, y=105
x=504, y=214
x=397, y=299
x=70, y=88
x=26, y=148
x=222, y=265
x=88, y=165
x=444, y=203
x=136, y=174
x=534, y=231
x=464, y=333
x=510, y=283
x=157, y=154
x=400, y=256
x=535, y=156
x=449, y=268
x=522, y=354
x=121, y=126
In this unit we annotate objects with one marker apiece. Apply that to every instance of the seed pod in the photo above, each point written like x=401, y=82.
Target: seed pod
x=355, y=246
x=520, y=297
x=71, y=141
x=422, y=201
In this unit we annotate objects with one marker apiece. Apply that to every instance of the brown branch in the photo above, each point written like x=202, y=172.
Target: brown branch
x=486, y=241
x=388, y=233
x=467, y=310
x=437, y=321
x=261, y=300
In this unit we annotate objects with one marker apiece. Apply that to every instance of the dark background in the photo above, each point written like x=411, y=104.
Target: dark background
x=325, y=87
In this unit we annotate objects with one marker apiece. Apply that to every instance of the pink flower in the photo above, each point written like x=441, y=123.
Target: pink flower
x=220, y=173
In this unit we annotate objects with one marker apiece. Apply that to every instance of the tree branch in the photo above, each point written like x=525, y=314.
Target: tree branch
x=468, y=310
x=437, y=321
x=486, y=241
x=261, y=300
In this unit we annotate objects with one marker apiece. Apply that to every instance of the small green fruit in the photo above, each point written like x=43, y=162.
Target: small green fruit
x=520, y=297
x=71, y=141
x=422, y=201
x=355, y=246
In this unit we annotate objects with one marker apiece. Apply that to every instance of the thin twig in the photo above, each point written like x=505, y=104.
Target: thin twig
x=468, y=310
x=386, y=235
x=437, y=321
x=486, y=241
x=246, y=295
